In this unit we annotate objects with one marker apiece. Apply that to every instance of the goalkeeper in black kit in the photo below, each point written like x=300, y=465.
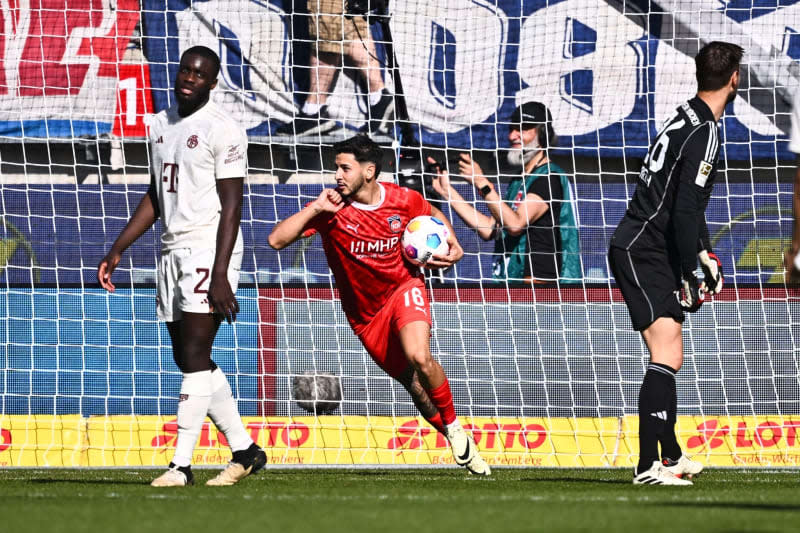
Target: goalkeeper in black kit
x=656, y=248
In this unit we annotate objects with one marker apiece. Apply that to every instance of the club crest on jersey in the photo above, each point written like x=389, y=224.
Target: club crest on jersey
x=192, y=141
x=395, y=224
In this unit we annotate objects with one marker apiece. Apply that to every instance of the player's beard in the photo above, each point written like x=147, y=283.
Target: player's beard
x=519, y=157
x=353, y=189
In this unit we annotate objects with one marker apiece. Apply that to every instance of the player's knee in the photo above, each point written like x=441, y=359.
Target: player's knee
x=422, y=361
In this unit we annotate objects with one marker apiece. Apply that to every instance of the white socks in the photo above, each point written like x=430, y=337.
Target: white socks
x=207, y=393
x=192, y=408
x=375, y=97
x=454, y=426
x=311, y=109
x=224, y=412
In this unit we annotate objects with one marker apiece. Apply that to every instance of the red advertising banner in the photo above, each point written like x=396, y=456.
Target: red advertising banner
x=134, y=101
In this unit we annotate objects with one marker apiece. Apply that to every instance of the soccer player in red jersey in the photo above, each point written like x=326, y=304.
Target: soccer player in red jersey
x=383, y=296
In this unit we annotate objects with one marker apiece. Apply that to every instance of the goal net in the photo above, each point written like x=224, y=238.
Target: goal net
x=542, y=375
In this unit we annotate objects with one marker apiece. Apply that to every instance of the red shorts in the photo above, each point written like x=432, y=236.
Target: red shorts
x=381, y=337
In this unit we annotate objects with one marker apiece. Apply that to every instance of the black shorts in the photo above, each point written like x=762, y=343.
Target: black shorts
x=648, y=284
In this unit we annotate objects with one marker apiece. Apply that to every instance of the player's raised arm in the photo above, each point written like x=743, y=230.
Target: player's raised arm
x=142, y=219
x=483, y=224
x=454, y=254
x=290, y=229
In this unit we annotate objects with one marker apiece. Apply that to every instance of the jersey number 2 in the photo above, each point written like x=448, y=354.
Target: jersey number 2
x=204, y=272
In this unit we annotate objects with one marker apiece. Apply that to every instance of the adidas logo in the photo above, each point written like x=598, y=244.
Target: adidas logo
x=160, y=140
x=660, y=414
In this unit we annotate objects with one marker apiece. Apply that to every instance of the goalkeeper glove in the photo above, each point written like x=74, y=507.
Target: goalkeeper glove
x=712, y=272
x=690, y=295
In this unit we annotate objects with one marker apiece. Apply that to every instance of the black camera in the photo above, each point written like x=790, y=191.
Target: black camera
x=362, y=7
x=418, y=174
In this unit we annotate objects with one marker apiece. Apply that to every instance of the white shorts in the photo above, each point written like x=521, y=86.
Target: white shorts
x=183, y=278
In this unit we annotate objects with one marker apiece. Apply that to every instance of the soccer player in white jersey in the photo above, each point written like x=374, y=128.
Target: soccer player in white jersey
x=198, y=164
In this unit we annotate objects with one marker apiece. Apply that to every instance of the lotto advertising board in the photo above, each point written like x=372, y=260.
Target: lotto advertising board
x=72, y=441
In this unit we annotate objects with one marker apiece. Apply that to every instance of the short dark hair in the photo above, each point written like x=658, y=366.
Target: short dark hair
x=206, y=52
x=715, y=63
x=364, y=149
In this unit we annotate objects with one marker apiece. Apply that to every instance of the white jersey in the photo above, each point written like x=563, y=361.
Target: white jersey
x=794, y=135
x=188, y=155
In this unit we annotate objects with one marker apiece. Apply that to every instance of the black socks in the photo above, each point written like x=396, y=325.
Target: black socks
x=658, y=407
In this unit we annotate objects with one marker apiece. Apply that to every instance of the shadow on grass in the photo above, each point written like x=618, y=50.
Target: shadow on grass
x=577, y=480
x=433, y=472
x=87, y=481
x=734, y=505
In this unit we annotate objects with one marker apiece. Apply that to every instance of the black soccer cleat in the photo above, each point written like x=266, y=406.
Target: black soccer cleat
x=313, y=124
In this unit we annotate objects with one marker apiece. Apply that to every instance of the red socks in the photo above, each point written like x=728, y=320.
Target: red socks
x=436, y=422
x=443, y=400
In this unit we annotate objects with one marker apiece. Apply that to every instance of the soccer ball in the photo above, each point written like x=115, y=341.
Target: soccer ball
x=318, y=393
x=424, y=236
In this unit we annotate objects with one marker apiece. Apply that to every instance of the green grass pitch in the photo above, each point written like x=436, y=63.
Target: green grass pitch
x=409, y=501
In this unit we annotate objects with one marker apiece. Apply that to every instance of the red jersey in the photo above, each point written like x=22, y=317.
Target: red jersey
x=362, y=245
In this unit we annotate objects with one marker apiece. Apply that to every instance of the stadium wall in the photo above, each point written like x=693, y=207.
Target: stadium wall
x=64, y=230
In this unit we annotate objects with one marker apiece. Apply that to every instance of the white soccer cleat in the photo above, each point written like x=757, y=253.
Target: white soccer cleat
x=658, y=475
x=478, y=466
x=232, y=474
x=461, y=444
x=173, y=478
x=684, y=466
x=235, y=472
x=465, y=452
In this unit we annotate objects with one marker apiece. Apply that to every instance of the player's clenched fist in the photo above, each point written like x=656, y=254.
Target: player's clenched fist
x=329, y=201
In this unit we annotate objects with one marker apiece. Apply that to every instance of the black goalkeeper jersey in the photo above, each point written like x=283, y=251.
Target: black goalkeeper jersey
x=667, y=211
